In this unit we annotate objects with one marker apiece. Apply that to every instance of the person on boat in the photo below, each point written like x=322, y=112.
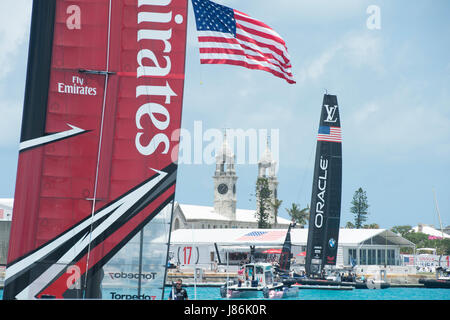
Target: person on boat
x=178, y=292
x=249, y=274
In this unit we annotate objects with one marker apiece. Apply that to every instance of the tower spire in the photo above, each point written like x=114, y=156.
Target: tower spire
x=225, y=181
x=267, y=170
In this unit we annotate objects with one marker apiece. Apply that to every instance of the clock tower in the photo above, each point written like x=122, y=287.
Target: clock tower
x=225, y=182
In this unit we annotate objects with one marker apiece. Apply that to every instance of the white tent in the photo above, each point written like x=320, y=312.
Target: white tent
x=6, y=207
x=431, y=231
x=208, y=241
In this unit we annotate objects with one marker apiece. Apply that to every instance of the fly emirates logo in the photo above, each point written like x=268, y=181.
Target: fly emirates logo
x=77, y=87
x=156, y=65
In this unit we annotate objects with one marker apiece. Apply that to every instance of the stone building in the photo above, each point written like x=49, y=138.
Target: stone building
x=224, y=213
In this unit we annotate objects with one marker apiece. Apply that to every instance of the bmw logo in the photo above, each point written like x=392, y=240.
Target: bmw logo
x=331, y=243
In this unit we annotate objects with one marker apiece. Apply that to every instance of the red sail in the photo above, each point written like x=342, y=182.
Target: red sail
x=98, y=146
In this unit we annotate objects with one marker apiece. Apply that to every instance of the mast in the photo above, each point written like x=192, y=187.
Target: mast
x=97, y=163
x=285, y=256
x=323, y=232
x=439, y=214
x=440, y=222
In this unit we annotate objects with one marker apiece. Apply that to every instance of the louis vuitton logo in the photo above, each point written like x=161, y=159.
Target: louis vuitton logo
x=331, y=113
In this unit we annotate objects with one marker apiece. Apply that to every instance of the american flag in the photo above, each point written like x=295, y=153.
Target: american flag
x=228, y=36
x=408, y=260
x=332, y=134
x=263, y=236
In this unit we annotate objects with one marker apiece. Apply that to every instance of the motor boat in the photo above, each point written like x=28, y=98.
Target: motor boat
x=442, y=279
x=256, y=279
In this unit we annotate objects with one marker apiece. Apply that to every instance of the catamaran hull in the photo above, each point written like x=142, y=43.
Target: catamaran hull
x=303, y=283
x=434, y=283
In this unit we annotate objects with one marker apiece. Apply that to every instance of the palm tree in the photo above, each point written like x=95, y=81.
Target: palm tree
x=349, y=225
x=276, y=204
x=300, y=216
x=371, y=226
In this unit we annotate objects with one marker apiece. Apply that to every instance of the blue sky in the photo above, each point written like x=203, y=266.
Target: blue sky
x=392, y=86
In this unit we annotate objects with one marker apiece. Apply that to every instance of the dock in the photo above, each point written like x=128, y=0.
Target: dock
x=207, y=278
x=216, y=279
x=407, y=285
x=310, y=286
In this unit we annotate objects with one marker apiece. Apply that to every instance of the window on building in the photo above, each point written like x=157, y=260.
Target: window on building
x=362, y=256
x=372, y=256
x=391, y=257
x=381, y=257
x=351, y=255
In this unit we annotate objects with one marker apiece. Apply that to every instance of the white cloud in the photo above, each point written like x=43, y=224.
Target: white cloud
x=10, y=120
x=356, y=50
x=366, y=112
x=316, y=68
x=15, y=17
x=364, y=49
x=14, y=29
x=397, y=126
x=318, y=10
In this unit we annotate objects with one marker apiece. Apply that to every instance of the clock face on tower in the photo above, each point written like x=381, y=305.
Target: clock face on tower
x=222, y=188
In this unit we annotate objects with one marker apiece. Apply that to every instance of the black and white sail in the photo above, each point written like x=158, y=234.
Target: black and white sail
x=325, y=210
x=286, y=255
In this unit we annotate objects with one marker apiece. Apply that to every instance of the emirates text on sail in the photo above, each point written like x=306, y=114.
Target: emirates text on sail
x=146, y=39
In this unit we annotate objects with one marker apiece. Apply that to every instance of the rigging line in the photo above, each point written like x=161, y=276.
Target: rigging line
x=99, y=148
x=195, y=265
x=168, y=245
x=141, y=249
x=438, y=212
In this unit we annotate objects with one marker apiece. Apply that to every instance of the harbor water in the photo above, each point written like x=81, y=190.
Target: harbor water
x=210, y=293
x=213, y=293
